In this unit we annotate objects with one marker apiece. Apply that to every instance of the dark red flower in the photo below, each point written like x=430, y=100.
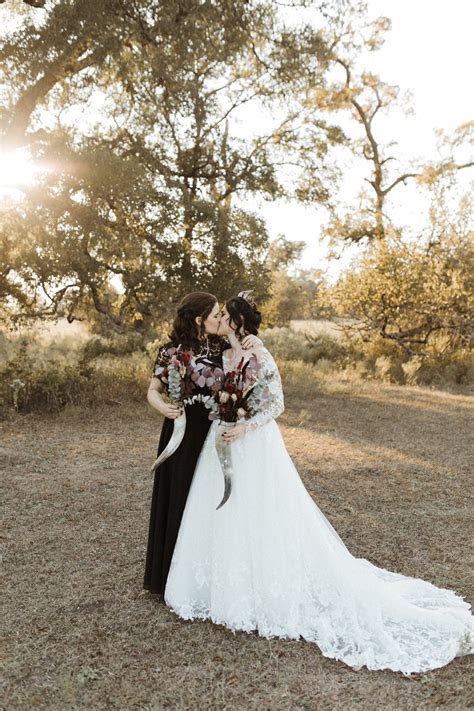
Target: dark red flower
x=185, y=357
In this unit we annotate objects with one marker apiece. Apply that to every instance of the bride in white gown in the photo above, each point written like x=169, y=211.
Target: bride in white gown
x=268, y=559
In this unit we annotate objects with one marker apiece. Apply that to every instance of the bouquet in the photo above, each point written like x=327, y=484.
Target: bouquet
x=231, y=391
x=230, y=404
x=178, y=378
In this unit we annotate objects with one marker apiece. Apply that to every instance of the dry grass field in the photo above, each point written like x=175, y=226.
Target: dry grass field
x=388, y=466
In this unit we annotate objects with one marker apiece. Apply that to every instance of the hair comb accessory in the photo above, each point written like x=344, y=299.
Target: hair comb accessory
x=247, y=296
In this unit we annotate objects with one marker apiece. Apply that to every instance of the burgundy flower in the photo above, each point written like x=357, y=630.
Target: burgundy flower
x=186, y=357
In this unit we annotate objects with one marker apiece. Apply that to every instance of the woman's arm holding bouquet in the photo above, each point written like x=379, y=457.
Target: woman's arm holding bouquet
x=155, y=399
x=159, y=385
x=265, y=401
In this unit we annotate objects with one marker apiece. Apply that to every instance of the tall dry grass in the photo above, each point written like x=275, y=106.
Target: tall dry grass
x=38, y=374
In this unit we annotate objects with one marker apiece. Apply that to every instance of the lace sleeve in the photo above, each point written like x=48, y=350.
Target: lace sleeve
x=266, y=399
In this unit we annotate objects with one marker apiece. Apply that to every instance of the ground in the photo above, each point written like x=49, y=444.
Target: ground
x=388, y=466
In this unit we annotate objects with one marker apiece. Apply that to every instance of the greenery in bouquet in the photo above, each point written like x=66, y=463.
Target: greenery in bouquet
x=177, y=375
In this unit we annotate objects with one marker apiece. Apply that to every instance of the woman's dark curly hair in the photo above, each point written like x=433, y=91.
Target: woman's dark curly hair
x=245, y=315
x=185, y=329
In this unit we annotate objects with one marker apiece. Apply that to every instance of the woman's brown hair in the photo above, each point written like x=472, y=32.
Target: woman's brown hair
x=185, y=329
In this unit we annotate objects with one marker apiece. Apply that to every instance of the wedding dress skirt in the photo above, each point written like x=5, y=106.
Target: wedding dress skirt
x=270, y=561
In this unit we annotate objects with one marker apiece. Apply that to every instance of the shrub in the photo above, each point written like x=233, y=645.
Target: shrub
x=411, y=368
x=38, y=378
x=450, y=369
x=120, y=345
x=30, y=384
x=325, y=346
x=297, y=345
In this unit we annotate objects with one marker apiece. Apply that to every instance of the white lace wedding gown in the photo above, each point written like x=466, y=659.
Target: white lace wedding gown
x=268, y=560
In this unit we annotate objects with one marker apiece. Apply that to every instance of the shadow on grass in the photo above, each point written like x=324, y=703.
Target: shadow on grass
x=428, y=430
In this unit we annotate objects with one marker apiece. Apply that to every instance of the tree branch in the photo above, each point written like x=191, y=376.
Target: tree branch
x=15, y=131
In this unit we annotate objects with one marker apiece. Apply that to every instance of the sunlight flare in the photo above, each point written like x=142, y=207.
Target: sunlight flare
x=16, y=170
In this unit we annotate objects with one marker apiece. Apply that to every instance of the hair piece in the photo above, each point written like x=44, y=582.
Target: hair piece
x=247, y=295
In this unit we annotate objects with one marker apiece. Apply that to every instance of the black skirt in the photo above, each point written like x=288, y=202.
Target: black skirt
x=170, y=491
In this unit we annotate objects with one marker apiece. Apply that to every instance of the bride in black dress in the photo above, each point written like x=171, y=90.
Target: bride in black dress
x=195, y=328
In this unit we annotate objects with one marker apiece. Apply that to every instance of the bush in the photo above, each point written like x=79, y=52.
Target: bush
x=38, y=378
x=324, y=346
x=451, y=369
x=288, y=344
x=300, y=378
x=31, y=384
x=118, y=346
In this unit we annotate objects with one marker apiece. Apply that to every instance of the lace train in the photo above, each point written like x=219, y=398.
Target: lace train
x=270, y=561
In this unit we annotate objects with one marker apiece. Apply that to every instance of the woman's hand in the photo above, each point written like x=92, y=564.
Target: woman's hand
x=154, y=397
x=234, y=433
x=251, y=341
x=170, y=411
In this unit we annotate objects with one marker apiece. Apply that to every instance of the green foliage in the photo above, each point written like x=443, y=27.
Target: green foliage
x=43, y=387
x=410, y=293
x=89, y=376
x=375, y=358
x=451, y=368
x=287, y=344
x=282, y=253
x=138, y=203
x=118, y=346
x=291, y=296
x=382, y=359
x=45, y=379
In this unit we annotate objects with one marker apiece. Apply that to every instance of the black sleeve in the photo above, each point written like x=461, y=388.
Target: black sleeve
x=162, y=361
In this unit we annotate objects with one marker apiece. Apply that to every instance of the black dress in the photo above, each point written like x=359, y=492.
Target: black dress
x=173, y=478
